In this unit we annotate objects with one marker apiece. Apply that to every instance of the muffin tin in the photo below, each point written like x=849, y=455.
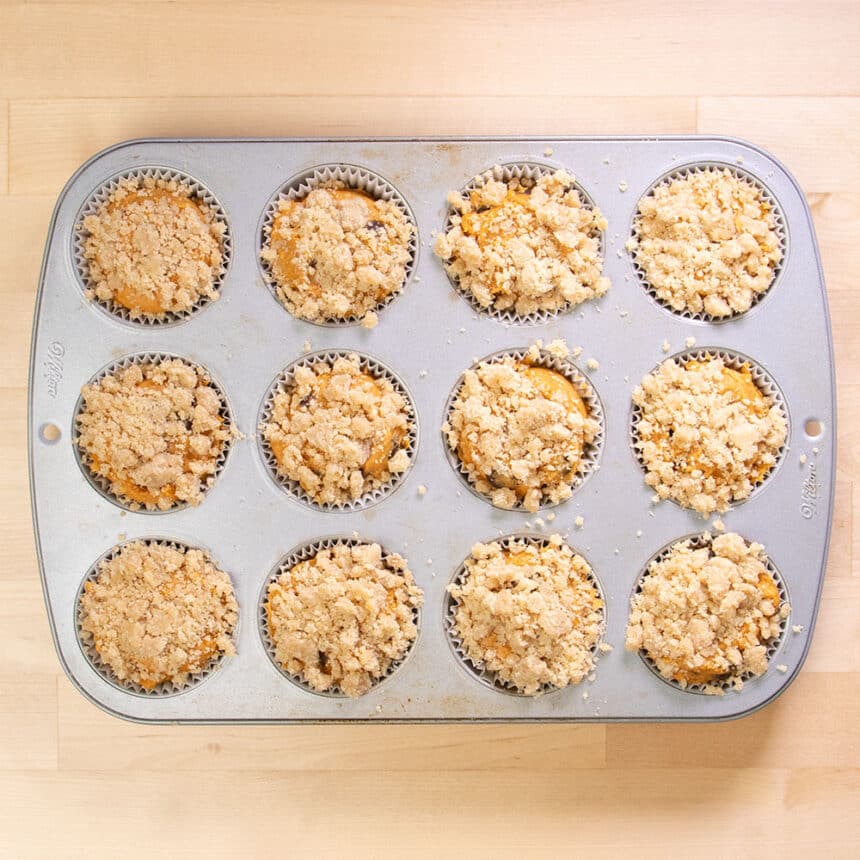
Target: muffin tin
x=428, y=335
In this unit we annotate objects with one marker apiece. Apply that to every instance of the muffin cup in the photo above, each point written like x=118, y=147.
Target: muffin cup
x=698, y=541
x=591, y=453
x=100, y=196
x=527, y=170
x=478, y=670
x=281, y=385
x=735, y=361
x=780, y=228
x=102, y=484
x=352, y=177
x=88, y=648
x=304, y=552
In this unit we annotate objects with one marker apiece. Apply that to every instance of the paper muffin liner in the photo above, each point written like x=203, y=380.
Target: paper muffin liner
x=734, y=360
x=101, y=196
x=353, y=177
x=699, y=541
x=528, y=171
x=281, y=385
x=477, y=669
x=88, y=648
x=780, y=228
x=100, y=483
x=591, y=453
x=305, y=552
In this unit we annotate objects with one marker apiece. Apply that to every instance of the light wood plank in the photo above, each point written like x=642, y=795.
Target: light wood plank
x=28, y=722
x=773, y=737
x=21, y=249
x=90, y=739
x=4, y=146
x=445, y=48
x=372, y=814
x=818, y=139
x=837, y=224
x=39, y=166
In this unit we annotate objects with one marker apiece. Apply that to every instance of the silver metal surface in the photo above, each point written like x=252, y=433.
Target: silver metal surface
x=428, y=336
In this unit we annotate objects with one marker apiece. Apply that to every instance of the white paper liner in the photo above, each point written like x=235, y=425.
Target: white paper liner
x=523, y=170
x=478, y=670
x=100, y=483
x=780, y=228
x=591, y=452
x=373, y=367
x=304, y=553
x=698, y=541
x=350, y=176
x=102, y=669
x=734, y=360
x=101, y=195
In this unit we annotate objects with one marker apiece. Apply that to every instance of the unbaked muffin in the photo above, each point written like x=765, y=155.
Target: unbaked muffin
x=340, y=620
x=337, y=254
x=524, y=245
x=529, y=613
x=153, y=247
x=155, y=432
x=706, y=434
x=339, y=431
x=707, y=242
x=706, y=612
x=157, y=614
x=520, y=431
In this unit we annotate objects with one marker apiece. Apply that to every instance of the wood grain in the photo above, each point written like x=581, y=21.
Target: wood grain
x=38, y=166
x=77, y=76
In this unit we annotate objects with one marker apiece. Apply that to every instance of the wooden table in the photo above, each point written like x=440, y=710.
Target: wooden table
x=77, y=76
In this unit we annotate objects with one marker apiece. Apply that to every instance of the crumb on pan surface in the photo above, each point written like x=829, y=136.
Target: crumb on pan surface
x=707, y=242
x=705, y=616
x=153, y=248
x=338, y=431
x=706, y=433
x=529, y=613
x=155, y=432
x=520, y=431
x=158, y=614
x=341, y=619
x=337, y=253
x=525, y=245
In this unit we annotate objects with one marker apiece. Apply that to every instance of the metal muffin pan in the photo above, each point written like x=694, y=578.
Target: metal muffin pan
x=428, y=336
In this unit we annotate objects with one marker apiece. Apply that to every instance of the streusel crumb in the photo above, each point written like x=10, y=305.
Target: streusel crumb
x=158, y=614
x=153, y=248
x=520, y=431
x=338, y=431
x=524, y=244
x=155, y=432
x=340, y=619
x=337, y=253
x=529, y=613
x=707, y=242
x=706, y=616
x=707, y=434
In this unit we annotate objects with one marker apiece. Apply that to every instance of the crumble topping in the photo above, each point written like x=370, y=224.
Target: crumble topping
x=707, y=242
x=529, y=613
x=337, y=253
x=153, y=248
x=338, y=431
x=520, y=431
x=706, y=615
x=342, y=618
x=524, y=244
x=707, y=434
x=155, y=432
x=158, y=614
